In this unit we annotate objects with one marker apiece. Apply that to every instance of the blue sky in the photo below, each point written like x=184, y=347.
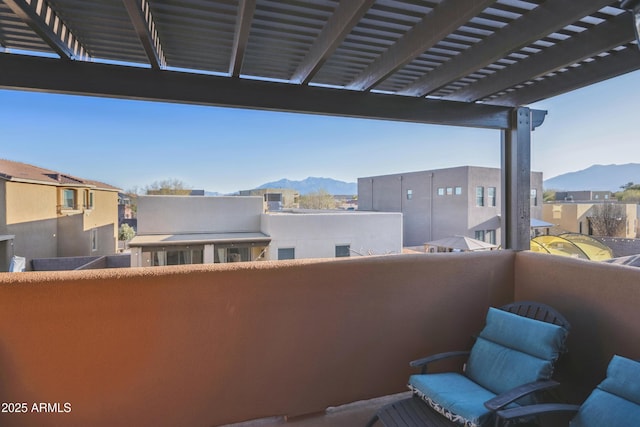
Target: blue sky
x=135, y=143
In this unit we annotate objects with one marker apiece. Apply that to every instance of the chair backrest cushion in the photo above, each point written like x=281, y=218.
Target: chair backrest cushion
x=513, y=350
x=616, y=400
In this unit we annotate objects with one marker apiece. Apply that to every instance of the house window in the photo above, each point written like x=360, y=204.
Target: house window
x=479, y=235
x=177, y=255
x=94, y=240
x=449, y=191
x=68, y=199
x=273, y=197
x=491, y=195
x=458, y=191
x=491, y=236
x=88, y=199
x=534, y=197
x=479, y=196
x=286, y=253
x=441, y=191
x=343, y=251
x=409, y=194
x=231, y=253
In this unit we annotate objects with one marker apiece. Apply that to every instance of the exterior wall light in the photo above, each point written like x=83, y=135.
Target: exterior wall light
x=633, y=6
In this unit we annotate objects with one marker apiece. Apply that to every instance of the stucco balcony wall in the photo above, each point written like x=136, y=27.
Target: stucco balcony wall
x=217, y=344
x=602, y=302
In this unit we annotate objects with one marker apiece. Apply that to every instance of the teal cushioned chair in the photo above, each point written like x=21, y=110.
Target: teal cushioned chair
x=512, y=357
x=615, y=402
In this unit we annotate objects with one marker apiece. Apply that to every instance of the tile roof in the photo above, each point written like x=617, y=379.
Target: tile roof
x=17, y=171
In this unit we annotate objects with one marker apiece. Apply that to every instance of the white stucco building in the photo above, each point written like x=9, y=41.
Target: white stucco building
x=194, y=230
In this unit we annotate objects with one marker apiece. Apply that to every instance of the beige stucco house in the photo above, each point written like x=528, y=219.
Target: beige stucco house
x=46, y=214
x=575, y=217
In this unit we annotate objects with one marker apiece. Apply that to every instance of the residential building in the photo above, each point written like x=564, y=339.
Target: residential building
x=582, y=196
x=47, y=214
x=329, y=234
x=204, y=230
x=435, y=204
x=577, y=217
x=275, y=198
x=124, y=207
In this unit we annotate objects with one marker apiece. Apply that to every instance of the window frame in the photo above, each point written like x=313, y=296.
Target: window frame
x=282, y=251
x=64, y=199
x=89, y=199
x=492, y=196
x=480, y=196
x=94, y=239
x=343, y=254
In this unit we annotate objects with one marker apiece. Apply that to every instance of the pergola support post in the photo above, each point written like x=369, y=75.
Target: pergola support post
x=516, y=181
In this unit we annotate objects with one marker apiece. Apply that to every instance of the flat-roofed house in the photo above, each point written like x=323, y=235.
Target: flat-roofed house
x=204, y=230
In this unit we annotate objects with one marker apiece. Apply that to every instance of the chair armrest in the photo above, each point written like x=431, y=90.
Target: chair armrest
x=530, y=410
x=435, y=357
x=509, y=396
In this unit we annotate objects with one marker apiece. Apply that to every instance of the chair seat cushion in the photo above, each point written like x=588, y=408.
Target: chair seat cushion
x=616, y=400
x=455, y=396
x=606, y=409
x=623, y=379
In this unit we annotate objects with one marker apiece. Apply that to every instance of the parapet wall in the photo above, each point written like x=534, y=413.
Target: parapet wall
x=216, y=344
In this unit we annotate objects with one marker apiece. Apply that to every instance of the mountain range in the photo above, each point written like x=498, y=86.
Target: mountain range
x=596, y=178
x=313, y=184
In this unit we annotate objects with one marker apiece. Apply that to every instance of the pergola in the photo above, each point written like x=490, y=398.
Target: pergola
x=474, y=63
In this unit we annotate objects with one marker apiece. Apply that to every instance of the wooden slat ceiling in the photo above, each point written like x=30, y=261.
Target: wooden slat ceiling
x=503, y=53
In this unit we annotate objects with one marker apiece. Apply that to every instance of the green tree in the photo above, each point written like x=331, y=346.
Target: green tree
x=549, y=195
x=320, y=199
x=630, y=195
x=126, y=232
x=630, y=185
x=170, y=186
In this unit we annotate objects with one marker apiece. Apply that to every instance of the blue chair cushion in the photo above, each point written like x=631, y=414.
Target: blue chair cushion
x=454, y=396
x=623, y=379
x=616, y=400
x=513, y=350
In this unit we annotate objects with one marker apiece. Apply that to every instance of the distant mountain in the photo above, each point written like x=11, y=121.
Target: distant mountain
x=312, y=184
x=596, y=178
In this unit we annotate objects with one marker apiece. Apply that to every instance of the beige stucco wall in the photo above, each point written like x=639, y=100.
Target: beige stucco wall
x=568, y=217
x=31, y=216
x=30, y=202
x=74, y=228
x=43, y=232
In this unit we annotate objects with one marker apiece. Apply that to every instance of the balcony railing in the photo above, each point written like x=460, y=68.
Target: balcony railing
x=218, y=344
